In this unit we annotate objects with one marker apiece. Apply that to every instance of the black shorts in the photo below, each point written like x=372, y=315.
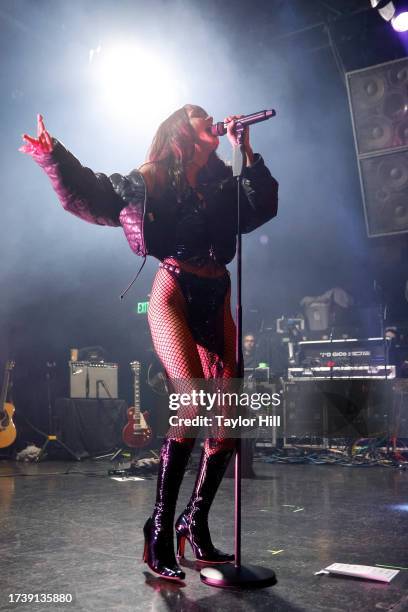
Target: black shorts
x=204, y=298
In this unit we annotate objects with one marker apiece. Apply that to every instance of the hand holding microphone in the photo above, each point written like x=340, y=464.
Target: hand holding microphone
x=230, y=124
x=220, y=128
x=230, y=127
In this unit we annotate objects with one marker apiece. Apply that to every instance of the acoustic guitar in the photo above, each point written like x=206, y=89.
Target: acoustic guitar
x=8, y=431
x=136, y=433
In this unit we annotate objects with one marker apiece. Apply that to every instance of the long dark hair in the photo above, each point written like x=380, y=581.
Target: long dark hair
x=173, y=147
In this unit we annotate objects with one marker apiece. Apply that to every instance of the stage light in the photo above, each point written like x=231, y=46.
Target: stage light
x=400, y=21
x=395, y=12
x=400, y=507
x=136, y=82
x=385, y=8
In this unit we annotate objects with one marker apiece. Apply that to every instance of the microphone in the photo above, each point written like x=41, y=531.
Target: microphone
x=220, y=128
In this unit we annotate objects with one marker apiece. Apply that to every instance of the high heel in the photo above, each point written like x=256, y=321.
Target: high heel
x=192, y=524
x=159, y=554
x=158, y=550
x=200, y=541
x=181, y=545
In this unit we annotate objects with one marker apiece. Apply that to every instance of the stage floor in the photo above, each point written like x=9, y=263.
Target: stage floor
x=68, y=528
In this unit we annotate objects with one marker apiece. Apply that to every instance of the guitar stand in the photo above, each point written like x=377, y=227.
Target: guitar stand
x=53, y=439
x=118, y=452
x=115, y=454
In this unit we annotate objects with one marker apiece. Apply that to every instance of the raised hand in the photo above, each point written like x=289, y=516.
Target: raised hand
x=41, y=144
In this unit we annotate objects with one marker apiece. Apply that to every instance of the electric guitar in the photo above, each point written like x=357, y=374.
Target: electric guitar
x=7, y=428
x=136, y=433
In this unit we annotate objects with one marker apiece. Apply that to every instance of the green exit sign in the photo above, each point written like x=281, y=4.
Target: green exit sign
x=142, y=307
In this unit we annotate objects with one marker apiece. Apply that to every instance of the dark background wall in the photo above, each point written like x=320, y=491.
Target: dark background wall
x=61, y=277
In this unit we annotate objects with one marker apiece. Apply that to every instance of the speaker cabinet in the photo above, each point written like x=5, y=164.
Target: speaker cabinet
x=400, y=420
x=385, y=185
x=338, y=408
x=378, y=98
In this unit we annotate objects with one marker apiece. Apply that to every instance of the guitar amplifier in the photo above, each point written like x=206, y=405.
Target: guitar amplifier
x=93, y=380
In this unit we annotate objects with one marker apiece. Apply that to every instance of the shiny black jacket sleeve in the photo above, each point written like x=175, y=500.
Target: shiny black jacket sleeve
x=258, y=204
x=260, y=201
x=258, y=198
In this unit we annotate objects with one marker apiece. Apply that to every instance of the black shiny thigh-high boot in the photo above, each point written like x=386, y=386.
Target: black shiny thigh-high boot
x=158, y=530
x=192, y=524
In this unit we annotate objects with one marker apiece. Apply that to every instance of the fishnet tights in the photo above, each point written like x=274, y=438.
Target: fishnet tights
x=183, y=359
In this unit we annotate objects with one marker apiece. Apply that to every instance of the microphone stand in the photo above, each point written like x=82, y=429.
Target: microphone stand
x=382, y=313
x=52, y=438
x=238, y=576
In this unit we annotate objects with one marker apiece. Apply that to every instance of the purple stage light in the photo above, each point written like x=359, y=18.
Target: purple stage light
x=400, y=22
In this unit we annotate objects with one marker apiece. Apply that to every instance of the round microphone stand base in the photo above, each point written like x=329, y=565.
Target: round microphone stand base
x=242, y=577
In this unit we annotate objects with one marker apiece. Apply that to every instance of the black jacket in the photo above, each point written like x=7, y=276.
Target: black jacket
x=149, y=223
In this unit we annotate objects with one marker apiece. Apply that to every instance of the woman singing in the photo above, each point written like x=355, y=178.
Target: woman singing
x=180, y=207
